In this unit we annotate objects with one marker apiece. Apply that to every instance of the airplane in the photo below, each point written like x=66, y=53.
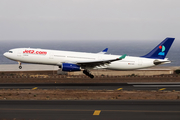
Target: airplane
x=71, y=61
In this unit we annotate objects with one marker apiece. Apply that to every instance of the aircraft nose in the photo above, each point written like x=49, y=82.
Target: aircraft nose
x=5, y=54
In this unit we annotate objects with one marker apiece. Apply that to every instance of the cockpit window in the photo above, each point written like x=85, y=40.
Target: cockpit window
x=10, y=51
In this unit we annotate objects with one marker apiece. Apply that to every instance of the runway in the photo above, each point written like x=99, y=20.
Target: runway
x=88, y=110
x=166, y=86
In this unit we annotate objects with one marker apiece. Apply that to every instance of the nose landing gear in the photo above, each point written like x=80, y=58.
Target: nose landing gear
x=20, y=67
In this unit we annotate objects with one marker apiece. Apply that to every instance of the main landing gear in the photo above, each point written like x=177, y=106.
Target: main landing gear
x=20, y=67
x=86, y=72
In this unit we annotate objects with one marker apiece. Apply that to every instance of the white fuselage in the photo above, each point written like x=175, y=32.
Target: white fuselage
x=55, y=57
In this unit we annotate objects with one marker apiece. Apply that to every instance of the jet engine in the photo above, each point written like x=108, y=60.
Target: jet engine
x=70, y=67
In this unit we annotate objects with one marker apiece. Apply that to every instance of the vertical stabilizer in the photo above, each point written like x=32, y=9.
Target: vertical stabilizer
x=160, y=51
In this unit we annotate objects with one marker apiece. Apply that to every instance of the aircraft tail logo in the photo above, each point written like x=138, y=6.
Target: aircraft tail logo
x=163, y=49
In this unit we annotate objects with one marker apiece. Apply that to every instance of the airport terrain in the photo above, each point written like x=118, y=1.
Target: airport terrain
x=43, y=94
x=48, y=85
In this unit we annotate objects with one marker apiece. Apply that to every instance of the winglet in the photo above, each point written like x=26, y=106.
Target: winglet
x=122, y=57
x=104, y=51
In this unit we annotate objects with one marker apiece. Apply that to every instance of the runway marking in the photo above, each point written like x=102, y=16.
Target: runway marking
x=96, y=112
x=34, y=88
x=145, y=111
x=86, y=110
x=162, y=89
x=119, y=88
x=156, y=86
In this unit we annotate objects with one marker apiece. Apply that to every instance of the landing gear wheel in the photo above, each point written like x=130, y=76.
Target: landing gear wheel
x=20, y=67
x=86, y=72
x=91, y=76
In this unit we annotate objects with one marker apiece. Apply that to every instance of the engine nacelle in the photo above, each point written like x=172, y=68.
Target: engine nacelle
x=70, y=67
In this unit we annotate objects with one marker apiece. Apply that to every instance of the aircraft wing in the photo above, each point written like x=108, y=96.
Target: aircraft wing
x=92, y=64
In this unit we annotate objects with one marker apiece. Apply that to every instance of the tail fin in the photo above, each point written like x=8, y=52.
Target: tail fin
x=160, y=51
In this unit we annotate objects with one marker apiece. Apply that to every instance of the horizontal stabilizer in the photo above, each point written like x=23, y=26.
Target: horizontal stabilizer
x=157, y=62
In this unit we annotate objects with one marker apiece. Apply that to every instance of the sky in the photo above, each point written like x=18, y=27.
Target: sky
x=89, y=20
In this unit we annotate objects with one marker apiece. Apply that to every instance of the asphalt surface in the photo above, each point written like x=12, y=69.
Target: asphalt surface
x=88, y=110
x=166, y=86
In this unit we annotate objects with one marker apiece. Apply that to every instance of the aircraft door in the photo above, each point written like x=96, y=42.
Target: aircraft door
x=19, y=54
x=140, y=62
x=51, y=55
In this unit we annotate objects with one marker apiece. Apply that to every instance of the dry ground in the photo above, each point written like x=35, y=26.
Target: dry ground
x=88, y=80
x=56, y=94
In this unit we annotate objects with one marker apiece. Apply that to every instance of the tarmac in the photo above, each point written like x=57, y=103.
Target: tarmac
x=157, y=70
x=90, y=110
x=155, y=86
x=26, y=67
